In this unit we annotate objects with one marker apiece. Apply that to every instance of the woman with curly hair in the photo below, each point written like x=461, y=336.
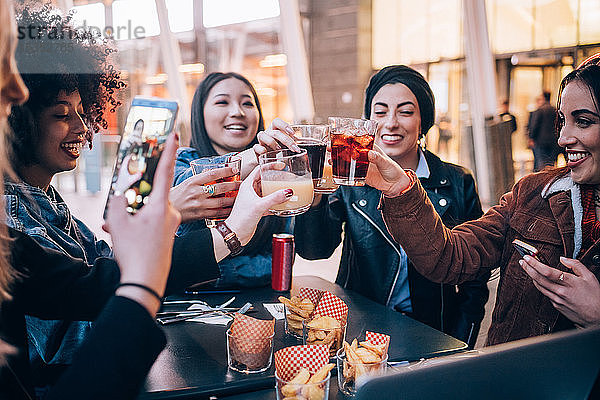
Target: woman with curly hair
x=69, y=92
x=54, y=270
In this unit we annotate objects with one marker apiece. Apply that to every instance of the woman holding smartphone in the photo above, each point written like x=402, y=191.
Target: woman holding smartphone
x=554, y=211
x=59, y=253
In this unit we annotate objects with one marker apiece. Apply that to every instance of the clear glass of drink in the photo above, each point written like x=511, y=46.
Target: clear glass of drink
x=208, y=163
x=314, y=138
x=351, y=140
x=283, y=169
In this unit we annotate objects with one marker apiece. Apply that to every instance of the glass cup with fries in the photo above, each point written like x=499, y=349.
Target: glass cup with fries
x=305, y=386
x=296, y=310
x=359, y=360
x=324, y=330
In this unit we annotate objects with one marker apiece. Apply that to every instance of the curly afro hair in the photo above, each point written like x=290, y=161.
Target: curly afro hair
x=53, y=57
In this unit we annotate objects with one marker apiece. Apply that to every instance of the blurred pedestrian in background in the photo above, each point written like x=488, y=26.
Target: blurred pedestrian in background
x=542, y=133
x=505, y=116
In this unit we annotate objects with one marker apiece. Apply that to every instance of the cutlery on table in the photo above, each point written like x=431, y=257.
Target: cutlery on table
x=177, y=318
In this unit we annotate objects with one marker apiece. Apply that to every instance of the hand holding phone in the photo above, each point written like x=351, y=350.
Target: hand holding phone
x=149, y=123
x=525, y=249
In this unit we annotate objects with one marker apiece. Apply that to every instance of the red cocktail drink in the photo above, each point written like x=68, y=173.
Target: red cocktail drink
x=351, y=140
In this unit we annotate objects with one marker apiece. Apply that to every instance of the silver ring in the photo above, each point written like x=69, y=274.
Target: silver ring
x=561, y=277
x=209, y=189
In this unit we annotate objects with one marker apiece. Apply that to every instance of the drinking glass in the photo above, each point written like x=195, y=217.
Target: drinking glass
x=283, y=169
x=351, y=140
x=313, y=390
x=333, y=338
x=249, y=354
x=314, y=138
x=348, y=372
x=208, y=163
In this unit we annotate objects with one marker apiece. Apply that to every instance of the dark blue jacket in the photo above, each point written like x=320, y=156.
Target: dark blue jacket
x=370, y=257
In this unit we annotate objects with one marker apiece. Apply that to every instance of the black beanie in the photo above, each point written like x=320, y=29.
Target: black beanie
x=411, y=79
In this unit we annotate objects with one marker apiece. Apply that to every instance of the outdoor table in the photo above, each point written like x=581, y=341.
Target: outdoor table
x=194, y=363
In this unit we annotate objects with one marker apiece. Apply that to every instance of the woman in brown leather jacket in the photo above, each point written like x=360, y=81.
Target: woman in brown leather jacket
x=556, y=211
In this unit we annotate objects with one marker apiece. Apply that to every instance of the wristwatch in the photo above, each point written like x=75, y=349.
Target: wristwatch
x=230, y=238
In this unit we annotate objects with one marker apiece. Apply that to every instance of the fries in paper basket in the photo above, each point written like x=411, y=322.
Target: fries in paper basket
x=297, y=310
x=306, y=387
x=368, y=357
x=302, y=373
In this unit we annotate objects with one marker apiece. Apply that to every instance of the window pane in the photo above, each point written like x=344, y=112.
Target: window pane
x=225, y=12
x=555, y=23
x=510, y=25
x=91, y=16
x=413, y=21
x=181, y=15
x=386, y=33
x=444, y=24
x=589, y=22
x=129, y=15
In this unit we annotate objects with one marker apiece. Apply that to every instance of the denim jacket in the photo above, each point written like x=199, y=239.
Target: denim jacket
x=252, y=267
x=46, y=218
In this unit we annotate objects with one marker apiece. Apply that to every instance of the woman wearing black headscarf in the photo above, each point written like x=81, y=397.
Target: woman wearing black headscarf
x=372, y=263
x=227, y=118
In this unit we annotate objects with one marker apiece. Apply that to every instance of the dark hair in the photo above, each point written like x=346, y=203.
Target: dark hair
x=414, y=81
x=589, y=75
x=546, y=94
x=81, y=63
x=200, y=140
x=139, y=122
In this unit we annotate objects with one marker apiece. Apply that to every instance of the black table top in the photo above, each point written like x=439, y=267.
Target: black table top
x=194, y=362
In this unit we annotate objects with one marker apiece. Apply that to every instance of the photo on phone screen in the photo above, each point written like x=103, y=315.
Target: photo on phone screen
x=149, y=123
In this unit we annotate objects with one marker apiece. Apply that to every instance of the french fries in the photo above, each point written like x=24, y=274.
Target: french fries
x=298, y=310
x=327, y=331
x=362, y=360
x=306, y=387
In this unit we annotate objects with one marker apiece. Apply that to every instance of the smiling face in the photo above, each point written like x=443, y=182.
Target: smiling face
x=396, y=110
x=580, y=132
x=62, y=135
x=230, y=116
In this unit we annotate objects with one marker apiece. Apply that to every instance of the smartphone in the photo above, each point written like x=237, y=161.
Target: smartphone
x=526, y=249
x=209, y=287
x=149, y=123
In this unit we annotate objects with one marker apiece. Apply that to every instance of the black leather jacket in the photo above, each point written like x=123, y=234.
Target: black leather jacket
x=370, y=257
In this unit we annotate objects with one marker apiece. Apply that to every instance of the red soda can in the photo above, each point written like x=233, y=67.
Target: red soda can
x=282, y=261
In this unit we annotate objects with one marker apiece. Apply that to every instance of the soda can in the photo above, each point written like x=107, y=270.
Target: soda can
x=282, y=261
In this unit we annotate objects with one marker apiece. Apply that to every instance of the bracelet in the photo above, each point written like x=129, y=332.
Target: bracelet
x=144, y=287
x=230, y=238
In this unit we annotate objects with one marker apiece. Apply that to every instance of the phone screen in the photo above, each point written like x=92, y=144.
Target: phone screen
x=149, y=123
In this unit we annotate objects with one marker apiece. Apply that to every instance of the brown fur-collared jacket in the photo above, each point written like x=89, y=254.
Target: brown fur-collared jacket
x=543, y=209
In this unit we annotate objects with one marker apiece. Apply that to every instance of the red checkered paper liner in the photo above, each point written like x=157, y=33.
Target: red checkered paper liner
x=244, y=326
x=289, y=360
x=251, y=335
x=332, y=306
x=314, y=295
x=377, y=339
